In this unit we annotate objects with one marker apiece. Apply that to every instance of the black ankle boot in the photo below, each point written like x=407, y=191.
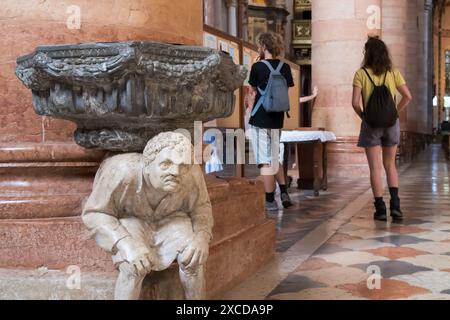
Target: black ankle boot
x=396, y=213
x=381, y=211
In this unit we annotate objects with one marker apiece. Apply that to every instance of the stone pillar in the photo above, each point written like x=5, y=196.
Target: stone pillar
x=339, y=31
x=288, y=28
x=400, y=34
x=232, y=17
x=442, y=43
x=427, y=63
x=406, y=30
x=44, y=174
x=208, y=7
x=428, y=25
x=221, y=16
x=244, y=19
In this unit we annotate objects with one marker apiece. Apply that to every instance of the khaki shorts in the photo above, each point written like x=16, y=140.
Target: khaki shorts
x=266, y=150
x=384, y=137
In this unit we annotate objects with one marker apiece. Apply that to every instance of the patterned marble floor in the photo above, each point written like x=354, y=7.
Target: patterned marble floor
x=365, y=259
x=308, y=211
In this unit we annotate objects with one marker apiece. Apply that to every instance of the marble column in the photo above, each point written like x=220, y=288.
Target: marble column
x=442, y=43
x=208, y=7
x=406, y=30
x=427, y=63
x=44, y=174
x=221, y=15
x=339, y=31
x=399, y=28
x=232, y=17
x=244, y=19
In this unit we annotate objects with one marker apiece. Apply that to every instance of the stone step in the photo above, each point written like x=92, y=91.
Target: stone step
x=230, y=262
x=238, y=205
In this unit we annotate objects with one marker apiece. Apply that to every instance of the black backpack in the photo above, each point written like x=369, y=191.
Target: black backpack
x=380, y=111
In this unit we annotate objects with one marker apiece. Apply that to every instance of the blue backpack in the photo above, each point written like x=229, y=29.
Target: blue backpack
x=275, y=98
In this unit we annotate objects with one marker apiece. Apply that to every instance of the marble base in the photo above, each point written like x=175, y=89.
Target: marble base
x=345, y=159
x=45, y=180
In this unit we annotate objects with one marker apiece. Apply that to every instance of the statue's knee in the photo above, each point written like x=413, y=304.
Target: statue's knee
x=192, y=271
x=128, y=271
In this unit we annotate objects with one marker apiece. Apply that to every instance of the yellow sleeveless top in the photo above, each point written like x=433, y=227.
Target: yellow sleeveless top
x=394, y=79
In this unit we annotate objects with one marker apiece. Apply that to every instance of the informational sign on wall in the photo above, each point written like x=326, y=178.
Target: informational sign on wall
x=209, y=40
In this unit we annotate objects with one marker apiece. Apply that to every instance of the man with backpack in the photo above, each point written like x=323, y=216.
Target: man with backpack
x=270, y=80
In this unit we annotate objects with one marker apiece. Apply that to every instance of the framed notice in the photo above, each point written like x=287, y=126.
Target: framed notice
x=234, y=52
x=209, y=40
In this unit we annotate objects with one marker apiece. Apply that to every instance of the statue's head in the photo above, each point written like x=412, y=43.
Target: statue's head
x=167, y=158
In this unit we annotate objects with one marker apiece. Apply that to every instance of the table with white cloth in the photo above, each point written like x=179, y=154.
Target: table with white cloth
x=311, y=156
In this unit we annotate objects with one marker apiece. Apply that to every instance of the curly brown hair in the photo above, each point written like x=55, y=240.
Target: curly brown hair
x=272, y=42
x=376, y=56
x=169, y=139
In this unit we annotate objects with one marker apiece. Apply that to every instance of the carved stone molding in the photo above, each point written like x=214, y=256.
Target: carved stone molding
x=302, y=5
x=301, y=30
x=121, y=94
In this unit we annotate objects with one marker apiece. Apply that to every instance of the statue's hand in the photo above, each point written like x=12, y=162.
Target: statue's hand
x=196, y=253
x=142, y=264
x=136, y=255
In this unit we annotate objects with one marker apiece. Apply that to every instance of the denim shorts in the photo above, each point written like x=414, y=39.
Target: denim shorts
x=385, y=137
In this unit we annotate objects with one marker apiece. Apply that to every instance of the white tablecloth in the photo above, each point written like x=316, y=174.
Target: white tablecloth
x=303, y=136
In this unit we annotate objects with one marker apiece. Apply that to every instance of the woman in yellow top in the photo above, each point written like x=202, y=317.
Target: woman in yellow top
x=380, y=143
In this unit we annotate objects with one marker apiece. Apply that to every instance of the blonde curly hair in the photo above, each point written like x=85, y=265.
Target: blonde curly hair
x=272, y=42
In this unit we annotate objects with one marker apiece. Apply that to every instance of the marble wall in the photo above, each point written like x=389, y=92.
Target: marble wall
x=25, y=24
x=44, y=174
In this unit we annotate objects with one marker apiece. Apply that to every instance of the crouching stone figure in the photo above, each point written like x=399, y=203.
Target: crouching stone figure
x=149, y=210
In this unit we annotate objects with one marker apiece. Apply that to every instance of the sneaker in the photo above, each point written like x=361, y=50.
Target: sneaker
x=396, y=213
x=286, y=200
x=271, y=206
x=381, y=212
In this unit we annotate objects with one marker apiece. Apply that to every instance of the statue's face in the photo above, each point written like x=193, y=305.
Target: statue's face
x=168, y=168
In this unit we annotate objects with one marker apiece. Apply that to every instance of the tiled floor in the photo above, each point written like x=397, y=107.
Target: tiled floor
x=412, y=258
x=330, y=247
x=308, y=212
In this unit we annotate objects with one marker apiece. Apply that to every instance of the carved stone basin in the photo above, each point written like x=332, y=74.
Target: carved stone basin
x=121, y=94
